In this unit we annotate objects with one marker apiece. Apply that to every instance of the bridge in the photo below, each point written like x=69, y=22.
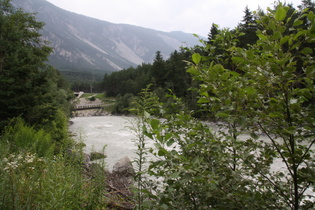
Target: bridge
x=88, y=106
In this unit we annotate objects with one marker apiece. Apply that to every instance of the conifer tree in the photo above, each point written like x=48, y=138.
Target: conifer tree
x=213, y=32
x=25, y=78
x=248, y=26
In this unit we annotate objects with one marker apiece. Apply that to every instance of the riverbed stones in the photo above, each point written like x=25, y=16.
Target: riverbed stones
x=123, y=172
x=124, y=167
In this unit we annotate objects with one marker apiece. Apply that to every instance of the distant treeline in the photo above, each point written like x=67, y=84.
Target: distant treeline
x=170, y=74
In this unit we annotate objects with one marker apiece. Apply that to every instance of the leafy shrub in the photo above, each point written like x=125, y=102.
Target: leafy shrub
x=20, y=137
x=30, y=182
x=92, y=98
x=122, y=103
x=32, y=177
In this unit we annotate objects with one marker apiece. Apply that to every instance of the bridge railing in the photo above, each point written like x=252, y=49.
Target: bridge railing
x=88, y=106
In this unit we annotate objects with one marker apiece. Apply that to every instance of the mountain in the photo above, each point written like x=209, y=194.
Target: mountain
x=88, y=46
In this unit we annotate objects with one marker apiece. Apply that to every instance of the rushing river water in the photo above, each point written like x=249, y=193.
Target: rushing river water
x=112, y=131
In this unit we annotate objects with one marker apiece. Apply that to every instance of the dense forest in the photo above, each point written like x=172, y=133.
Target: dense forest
x=255, y=80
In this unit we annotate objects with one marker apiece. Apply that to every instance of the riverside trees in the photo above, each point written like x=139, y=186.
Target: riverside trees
x=266, y=89
x=29, y=88
x=36, y=167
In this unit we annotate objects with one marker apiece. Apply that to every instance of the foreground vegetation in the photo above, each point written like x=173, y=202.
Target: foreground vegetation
x=262, y=84
x=41, y=167
x=265, y=89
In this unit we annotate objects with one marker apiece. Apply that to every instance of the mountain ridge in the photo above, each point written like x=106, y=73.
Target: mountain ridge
x=85, y=44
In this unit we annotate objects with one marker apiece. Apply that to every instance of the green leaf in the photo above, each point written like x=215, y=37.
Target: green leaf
x=272, y=25
x=155, y=124
x=281, y=13
x=284, y=40
x=275, y=115
x=146, y=114
x=307, y=50
x=254, y=136
x=162, y=152
x=250, y=90
x=170, y=142
x=205, y=93
x=196, y=57
x=193, y=71
x=168, y=136
x=262, y=37
x=222, y=114
x=203, y=101
x=174, y=175
x=298, y=22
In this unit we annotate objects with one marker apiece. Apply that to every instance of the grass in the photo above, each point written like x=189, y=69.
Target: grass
x=32, y=179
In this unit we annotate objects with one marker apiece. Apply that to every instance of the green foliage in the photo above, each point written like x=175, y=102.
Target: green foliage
x=248, y=27
x=266, y=97
x=142, y=106
x=122, y=103
x=163, y=74
x=33, y=176
x=262, y=99
x=37, y=171
x=31, y=182
x=29, y=88
x=20, y=137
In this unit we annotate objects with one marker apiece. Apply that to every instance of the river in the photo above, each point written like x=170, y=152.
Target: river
x=112, y=131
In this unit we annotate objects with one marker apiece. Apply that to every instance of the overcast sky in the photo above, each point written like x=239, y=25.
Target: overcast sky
x=191, y=16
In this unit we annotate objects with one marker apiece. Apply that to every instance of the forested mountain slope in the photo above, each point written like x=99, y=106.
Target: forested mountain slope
x=84, y=44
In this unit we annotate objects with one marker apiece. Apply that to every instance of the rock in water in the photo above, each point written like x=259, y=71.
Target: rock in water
x=124, y=167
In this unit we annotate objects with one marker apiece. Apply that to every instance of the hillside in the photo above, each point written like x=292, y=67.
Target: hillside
x=90, y=47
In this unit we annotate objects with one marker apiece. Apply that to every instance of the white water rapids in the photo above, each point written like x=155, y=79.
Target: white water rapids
x=109, y=131
x=112, y=131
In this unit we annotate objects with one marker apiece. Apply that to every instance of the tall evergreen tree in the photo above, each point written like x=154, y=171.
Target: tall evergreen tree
x=249, y=27
x=158, y=70
x=24, y=77
x=213, y=32
x=307, y=4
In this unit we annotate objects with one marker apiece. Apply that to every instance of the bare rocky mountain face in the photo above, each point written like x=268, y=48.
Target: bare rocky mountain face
x=84, y=44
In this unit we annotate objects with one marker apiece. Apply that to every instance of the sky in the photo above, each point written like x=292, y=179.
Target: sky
x=190, y=16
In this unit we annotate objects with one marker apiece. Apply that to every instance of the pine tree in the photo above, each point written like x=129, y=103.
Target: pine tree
x=158, y=70
x=248, y=26
x=213, y=32
x=24, y=78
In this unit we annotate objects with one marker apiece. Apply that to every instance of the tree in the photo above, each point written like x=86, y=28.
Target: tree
x=269, y=96
x=272, y=96
x=25, y=79
x=213, y=32
x=307, y=4
x=158, y=70
x=248, y=26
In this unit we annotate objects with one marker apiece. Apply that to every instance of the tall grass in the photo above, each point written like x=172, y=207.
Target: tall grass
x=32, y=176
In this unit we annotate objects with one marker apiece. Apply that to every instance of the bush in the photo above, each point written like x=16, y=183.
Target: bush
x=30, y=182
x=20, y=137
x=123, y=103
x=32, y=177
